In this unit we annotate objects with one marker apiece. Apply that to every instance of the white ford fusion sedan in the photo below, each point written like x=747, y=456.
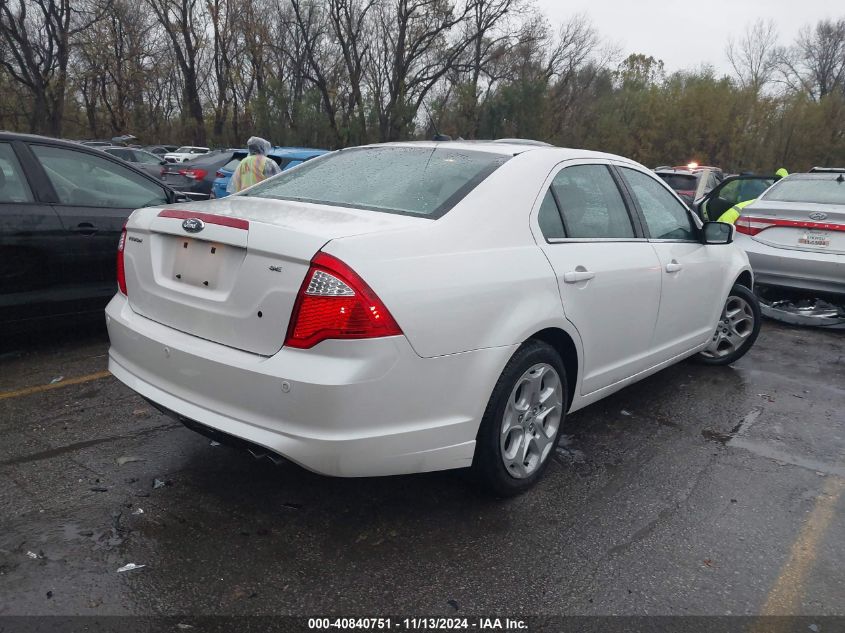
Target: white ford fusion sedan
x=413, y=307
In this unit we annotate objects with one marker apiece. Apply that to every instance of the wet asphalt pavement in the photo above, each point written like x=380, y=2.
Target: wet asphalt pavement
x=697, y=491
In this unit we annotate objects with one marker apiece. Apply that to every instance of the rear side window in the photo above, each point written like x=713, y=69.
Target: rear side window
x=680, y=182
x=823, y=190
x=549, y=218
x=82, y=179
x=13, y=185
x=665, y=217
x=421, y=181
x=591, y=204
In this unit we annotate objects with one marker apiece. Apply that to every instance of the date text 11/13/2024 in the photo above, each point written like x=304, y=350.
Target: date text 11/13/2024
x=418, y=624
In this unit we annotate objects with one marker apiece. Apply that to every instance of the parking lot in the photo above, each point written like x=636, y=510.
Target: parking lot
x=698, y=491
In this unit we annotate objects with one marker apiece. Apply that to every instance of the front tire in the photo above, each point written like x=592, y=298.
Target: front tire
x=521, y=425
x=737, y=329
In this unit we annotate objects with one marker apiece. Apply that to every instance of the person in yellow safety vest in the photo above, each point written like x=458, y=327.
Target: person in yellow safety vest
x=255, y=167
x=732, y=215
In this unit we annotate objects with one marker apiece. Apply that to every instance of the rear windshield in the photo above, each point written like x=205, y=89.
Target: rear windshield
x=232, y=165
x=218, y=158
x=422, y=181
x=680, y=182
x=818, y=190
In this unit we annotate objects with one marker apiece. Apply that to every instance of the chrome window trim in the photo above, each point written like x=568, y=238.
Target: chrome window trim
x=563, y=240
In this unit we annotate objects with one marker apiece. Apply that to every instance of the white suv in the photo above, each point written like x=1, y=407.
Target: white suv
x=185, y=153
x=421, y=306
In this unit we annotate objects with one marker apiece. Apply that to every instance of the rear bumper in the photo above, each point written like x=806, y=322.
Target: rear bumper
x=343, y=408
x=789, y=268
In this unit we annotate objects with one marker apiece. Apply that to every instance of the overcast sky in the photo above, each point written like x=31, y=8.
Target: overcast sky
x=687, y=34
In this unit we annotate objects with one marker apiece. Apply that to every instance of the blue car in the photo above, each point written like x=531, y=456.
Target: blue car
x=286, y=157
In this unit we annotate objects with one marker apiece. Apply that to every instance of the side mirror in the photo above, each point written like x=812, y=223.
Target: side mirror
x=717, y=233
x=176, y=196
x=162, y=162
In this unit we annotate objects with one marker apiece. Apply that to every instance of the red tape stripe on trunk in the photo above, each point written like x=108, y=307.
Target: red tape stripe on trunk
x=798, y=224
x=208, y=218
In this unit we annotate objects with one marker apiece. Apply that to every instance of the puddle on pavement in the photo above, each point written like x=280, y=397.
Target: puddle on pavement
x=567, y=453
x=740, y=429
x=737, y=438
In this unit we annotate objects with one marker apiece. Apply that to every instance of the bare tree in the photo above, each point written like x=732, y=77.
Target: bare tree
x=754, y=56
x=112, y=61
x=815, y=64
x=321, y=67
x=38, y=35
x=185, y=23
x=349, y=24
x=416, y=46
x=492, y=28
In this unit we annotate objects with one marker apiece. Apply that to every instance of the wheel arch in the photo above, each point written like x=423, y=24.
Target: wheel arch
x=746, y=279
x=562, y=342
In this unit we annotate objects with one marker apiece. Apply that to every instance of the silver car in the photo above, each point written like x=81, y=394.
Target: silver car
x=794, y=233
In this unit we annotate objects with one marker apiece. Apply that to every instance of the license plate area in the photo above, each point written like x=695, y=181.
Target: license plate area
x=814, y=239
x=199, y=263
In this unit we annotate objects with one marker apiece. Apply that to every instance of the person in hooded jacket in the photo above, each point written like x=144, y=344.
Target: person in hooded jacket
x=255, y=167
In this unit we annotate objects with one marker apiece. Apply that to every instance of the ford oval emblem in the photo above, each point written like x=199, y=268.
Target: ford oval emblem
x=193, y=225
x=818, y=215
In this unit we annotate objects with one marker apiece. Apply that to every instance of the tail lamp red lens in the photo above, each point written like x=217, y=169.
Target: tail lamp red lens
x=121, y=268
x=335, y=303
x=194, y=174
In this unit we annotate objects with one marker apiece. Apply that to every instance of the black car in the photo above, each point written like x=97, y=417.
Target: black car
x=143, y=160
x=195, y=178
x=62, y=208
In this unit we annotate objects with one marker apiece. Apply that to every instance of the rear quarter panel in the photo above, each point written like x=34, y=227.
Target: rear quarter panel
x=473, y=279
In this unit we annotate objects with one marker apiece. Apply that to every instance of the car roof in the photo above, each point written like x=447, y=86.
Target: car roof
x=296, y=152
x=71, y=145
x=510, y=149
x=815, y=175
x=36, y=138
x=674, y=172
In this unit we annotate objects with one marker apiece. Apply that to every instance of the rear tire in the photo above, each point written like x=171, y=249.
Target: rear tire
x=737, y=329
x=521, y=425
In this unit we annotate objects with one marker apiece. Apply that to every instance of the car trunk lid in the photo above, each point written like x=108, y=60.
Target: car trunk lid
x=236, y=279
x=797, y=226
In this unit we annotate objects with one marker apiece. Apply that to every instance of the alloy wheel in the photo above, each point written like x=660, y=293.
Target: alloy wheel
x=531, y=420
x=735, y=326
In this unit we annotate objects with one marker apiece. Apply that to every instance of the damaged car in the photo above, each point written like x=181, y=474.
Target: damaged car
x=794, y=233
x=413, y=307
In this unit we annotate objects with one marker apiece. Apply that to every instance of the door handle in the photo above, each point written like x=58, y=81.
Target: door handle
x=85, y=228
x=673, y=267
x=574, y=276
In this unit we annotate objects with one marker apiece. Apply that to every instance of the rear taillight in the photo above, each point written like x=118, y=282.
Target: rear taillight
x=121, y=269
x=335, y=303
x=194, y=174
x=749, y=225
x=219, y=174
